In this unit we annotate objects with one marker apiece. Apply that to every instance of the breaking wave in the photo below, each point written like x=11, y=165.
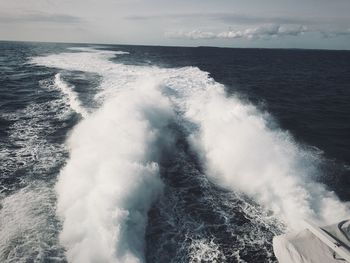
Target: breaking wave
x=112, y=176
x=241, y=152
x=72, y=96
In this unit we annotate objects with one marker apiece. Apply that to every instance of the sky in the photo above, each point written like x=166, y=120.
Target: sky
x=319, y=24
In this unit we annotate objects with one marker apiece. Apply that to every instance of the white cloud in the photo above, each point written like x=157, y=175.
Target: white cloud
x=194, y=34
x=144, y=23
x=259, y=32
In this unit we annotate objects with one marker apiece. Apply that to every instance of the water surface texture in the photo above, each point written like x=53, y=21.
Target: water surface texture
x=168, y=154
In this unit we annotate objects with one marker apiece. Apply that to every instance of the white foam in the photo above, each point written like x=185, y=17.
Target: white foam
x=27, y=226
x=114, y=76
x=109, y=182
x=88, y=60
x=242, y=153
x=72, y=96
x=203, y=250
x=27, y=146
x=112, y=177
x=96, y=49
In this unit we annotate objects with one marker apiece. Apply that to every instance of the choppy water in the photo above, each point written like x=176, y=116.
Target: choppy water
x=155, y=154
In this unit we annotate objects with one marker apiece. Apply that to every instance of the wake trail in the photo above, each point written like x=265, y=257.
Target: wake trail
x=112, y=177
x=242, y=153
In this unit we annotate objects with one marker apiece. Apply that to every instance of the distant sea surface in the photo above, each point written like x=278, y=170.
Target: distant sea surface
x=113, y=153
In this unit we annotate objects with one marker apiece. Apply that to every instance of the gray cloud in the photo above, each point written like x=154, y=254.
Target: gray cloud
x=259, y=32
x=193, y=34
x=39, y=17
x=324, y=23
x=243, y=19
x=335, y=33
x=228, y=18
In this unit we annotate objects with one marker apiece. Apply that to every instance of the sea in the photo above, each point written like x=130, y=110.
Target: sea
x=121, y=153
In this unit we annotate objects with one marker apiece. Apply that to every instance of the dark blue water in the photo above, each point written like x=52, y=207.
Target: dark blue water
x=306, y=92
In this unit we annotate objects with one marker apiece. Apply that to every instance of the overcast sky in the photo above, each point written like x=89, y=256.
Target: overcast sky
x=231, y=23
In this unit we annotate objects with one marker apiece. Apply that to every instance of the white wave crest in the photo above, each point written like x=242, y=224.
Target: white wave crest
x=112, y=178
x=72, y=96
x=242, y=153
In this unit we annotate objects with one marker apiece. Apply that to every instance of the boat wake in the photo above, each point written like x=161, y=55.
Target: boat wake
x=162, y=134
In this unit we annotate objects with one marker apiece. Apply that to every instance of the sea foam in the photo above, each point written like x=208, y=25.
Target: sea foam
x=241, y=152
x=72, y=96
x=112, y=177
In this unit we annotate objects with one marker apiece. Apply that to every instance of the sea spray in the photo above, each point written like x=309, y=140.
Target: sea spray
x=112, y=177
x=242, y=153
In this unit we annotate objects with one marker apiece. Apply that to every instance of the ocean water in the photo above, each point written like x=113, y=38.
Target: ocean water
x=168, y=154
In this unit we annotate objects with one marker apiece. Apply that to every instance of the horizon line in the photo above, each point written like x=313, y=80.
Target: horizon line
x=171, y=46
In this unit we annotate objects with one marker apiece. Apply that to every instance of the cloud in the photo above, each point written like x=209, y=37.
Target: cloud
x=227, y=18
x=39, y=17
x=335, y=33
x=194, y=34
x=242, y=19
x=230, y=18
x=256, y=27
x=259, y=32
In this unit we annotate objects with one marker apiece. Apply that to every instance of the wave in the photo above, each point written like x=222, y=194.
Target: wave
x=241, y=152
x=72, y=96
x=31, y=156
x=28, y=227
x=112, y=177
